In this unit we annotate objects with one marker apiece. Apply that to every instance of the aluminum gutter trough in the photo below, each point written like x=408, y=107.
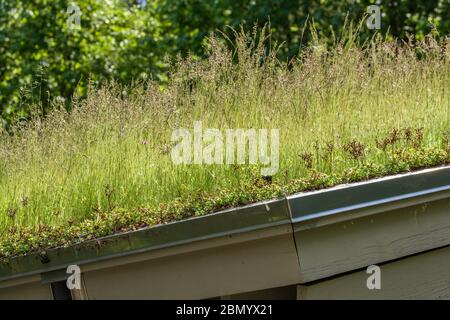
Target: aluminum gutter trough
x=302, y=238
x=224, y=223
x=370, y=194
x=353, y=226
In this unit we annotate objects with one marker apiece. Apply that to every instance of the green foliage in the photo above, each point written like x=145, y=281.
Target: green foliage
x=41, y=60
x=189, y=21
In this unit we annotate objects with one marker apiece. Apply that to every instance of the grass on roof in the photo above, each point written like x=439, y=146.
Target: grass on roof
x=345, y=113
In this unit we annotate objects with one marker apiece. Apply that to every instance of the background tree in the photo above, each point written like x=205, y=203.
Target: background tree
x=42, y=60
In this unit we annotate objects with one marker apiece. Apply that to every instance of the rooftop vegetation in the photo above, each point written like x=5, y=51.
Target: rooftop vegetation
x=345, y=112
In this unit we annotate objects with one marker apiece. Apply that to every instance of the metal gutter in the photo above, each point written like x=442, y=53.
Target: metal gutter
x=224, y=223
x=370, y=194
x=352, y=226
x=368, y=197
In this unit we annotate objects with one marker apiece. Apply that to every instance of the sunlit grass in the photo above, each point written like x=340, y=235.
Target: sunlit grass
x=113, y=149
